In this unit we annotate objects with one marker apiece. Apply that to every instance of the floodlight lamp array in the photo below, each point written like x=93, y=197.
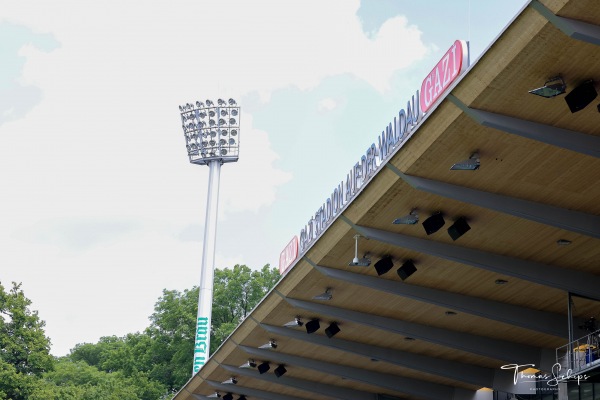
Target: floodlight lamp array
x=211, y=131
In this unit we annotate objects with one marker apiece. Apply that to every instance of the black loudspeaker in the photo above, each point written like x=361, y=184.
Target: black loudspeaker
x=459, y=228
x=384, y=265
x=406, y=270
x=433, y=223
x=279, y=371
x=228, y=396
x=264, y=367
x=581, y=96
x=312, y=326
x=332, y=329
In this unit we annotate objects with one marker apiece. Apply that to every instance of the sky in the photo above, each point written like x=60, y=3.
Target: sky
x=100, y=208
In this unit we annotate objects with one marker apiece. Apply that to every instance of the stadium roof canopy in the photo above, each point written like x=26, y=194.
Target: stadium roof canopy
x=496, y=295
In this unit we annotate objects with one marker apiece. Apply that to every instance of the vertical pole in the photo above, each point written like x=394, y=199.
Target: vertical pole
x=203, y=322
x=570, y=327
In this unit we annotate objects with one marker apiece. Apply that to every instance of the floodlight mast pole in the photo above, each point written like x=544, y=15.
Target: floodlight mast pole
x=211, y=135
x=207, y=273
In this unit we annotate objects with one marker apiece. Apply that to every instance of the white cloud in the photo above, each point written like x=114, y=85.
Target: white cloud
x=101, y=207
x=327, y=104
x=209, y=47
x=254, y=181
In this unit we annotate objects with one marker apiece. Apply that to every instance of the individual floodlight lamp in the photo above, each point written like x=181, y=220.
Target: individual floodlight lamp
x=359, y=262
x=553, y=87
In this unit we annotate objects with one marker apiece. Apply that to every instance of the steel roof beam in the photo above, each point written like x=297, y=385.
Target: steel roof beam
x=569, y=280
x=410, y=386
x=246, y=391
x=574, y=221
x=461, y=372
x=540, y=321
x=564, y=138
x=309, y=386
x=573, y=28
x=498, y=349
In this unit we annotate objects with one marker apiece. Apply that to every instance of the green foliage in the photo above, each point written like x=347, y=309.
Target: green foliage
x=141, y=366
x=79, y=381
x=24, y=347
x=173, y=323
x=238, y=291
x=22, y=338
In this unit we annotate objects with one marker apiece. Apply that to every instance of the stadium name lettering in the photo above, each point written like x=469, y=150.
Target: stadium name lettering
x=437, y=82
x=392, y=137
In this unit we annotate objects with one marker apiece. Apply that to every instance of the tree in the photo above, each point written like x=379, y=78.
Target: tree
x=236, y=292
x=79, y=381
x=158, y=361
x=24, y=347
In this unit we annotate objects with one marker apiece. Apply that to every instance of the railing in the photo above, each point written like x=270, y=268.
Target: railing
x=581, y=354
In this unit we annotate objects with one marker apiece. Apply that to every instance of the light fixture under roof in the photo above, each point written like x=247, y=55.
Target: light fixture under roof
x=407, y=269
x=264, y=367
x=271, y=345
x=332, y=330
x=280, y=371
x=563, y=242
x=325, y=296
x=296, y=322
x=553, y=87
x=231, y=381
x=459, y=228
x=215, y=395
x=410, y=219
x=312, y=326
x=384, y=265
x=359, y=262
x=470, y=164
x=249, y=364
x=580, y=97
x=434, y=223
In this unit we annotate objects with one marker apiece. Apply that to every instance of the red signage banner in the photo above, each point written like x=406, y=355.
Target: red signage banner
x=288, y=255
x=452, y=64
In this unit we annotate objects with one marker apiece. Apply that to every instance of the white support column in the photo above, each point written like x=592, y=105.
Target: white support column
x=203, y=322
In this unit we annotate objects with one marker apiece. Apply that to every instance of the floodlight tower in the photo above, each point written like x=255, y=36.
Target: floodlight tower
x=211, y=138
